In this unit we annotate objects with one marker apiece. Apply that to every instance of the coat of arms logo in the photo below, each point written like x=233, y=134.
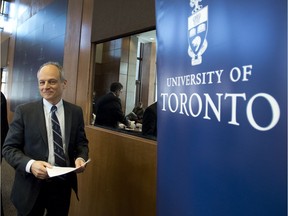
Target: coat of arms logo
x=197, y=31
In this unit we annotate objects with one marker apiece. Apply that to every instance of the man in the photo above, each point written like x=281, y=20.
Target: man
x=29, y=147
x=4, y=130
x=4, y=119
x=139, y=111
x=149, y=123
x=109, y=109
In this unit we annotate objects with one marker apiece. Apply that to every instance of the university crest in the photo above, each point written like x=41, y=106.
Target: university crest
x=197, y=31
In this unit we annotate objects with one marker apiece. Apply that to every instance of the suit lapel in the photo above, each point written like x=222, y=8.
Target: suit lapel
x=68, y=122
x=42, y=122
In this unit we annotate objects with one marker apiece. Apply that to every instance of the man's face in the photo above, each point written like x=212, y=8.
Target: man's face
x=118, y=93
x=50, y=86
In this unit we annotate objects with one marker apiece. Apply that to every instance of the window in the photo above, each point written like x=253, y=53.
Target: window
x=131, y=61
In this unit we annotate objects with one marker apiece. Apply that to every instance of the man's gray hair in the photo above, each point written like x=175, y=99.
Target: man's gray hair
x=56, y=64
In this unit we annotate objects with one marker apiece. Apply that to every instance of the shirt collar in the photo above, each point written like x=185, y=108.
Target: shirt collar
x=48, y=105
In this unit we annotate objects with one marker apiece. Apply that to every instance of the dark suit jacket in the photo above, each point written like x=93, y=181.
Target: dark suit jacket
x=149, y=123
x=27, y=139
x=4, y=120
x=109, y=111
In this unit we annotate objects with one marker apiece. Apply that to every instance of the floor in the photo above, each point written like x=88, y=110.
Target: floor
x=7, y=178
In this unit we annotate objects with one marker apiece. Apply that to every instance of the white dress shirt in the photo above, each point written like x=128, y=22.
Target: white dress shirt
x=61, y=118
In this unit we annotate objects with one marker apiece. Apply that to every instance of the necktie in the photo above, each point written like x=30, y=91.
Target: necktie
x=57, y=140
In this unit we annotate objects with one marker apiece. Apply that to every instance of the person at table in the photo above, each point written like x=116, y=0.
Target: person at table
x=32, y=145
x=149, y=123
x=139, y=111
x=109, y=109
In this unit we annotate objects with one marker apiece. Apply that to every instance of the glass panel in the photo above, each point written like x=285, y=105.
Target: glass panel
x=131, y=61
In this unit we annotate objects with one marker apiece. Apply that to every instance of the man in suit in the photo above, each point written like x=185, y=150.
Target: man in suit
x=4, y=130
x=4, y=119
x=29, y=148
x=149, y=123
x=109, y=109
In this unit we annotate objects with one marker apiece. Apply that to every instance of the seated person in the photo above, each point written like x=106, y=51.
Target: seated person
x=149, y=123
x=109, y=109
x=137, y=113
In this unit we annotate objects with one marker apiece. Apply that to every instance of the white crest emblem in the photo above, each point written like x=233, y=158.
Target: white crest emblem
x=197, y=31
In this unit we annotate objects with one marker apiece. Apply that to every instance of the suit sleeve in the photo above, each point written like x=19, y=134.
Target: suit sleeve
x=118, y=112
x=4, y=121
x=14, y=143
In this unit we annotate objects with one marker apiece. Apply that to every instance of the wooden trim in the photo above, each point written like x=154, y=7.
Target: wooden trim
x=71, y=49
x=84, y=90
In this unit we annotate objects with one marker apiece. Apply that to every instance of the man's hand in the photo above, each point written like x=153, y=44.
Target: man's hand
x=80, y=162
x=38, y=168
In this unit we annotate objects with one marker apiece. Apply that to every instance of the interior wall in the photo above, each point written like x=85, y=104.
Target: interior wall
x=131, y=75
x=121, y=17
x=112, y=67
x=148, y=74
x=85, y=61
x=4, y=39
x=29, y=9
x=152, y=75
x=39, y=38
x=107, y=71
x=72, y=46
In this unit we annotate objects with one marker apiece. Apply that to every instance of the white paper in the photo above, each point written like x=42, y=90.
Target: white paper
x=57, y=171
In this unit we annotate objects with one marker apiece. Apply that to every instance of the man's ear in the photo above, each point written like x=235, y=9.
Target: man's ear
x=64, y=84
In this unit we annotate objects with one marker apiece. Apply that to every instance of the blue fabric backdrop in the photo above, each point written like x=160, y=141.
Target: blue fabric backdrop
x=222, y=107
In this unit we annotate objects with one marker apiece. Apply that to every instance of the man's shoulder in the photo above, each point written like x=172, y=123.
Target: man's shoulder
x=69, y=105
x=107, y=98
x=33, y=104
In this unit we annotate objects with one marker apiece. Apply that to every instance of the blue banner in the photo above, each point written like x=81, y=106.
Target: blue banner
x=222, y=107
